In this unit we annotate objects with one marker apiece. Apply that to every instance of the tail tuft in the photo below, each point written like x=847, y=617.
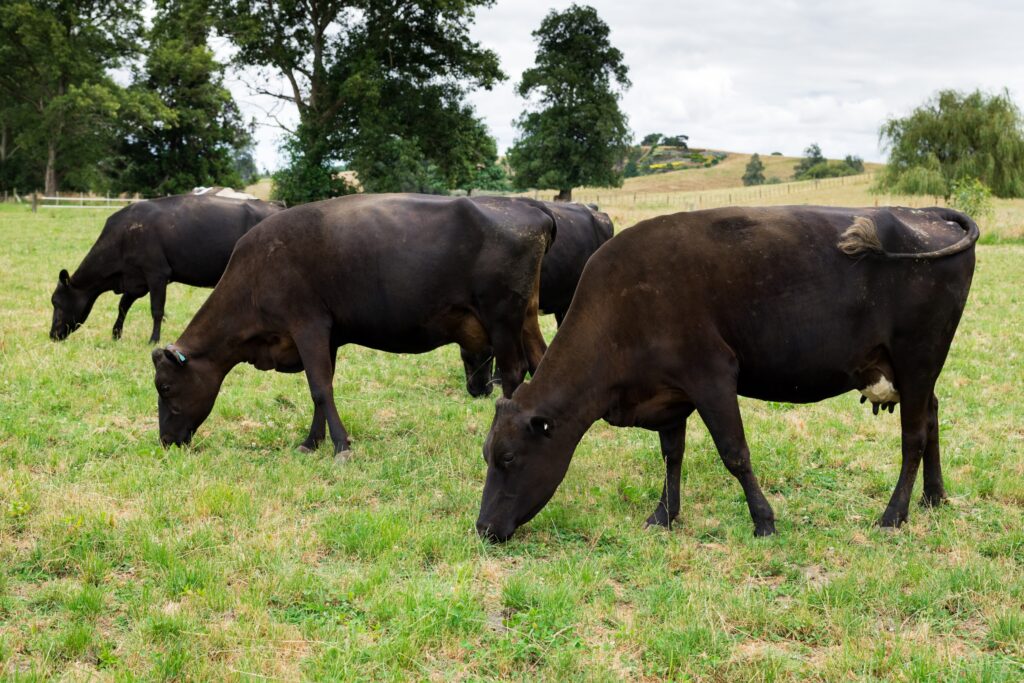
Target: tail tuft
x=860, y=237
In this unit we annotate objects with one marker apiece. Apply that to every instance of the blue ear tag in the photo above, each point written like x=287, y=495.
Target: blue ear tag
x=181, y=356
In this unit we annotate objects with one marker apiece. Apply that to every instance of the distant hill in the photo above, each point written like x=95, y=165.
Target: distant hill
x=727, y=173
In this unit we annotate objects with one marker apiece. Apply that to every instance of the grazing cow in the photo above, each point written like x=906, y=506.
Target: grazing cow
x=143, y=247
x=682, y=313
x=581, y=229
x=398, y=273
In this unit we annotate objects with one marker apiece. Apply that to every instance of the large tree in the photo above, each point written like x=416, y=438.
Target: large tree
x=54, y=59
x=200, y=132
x=379, y=85
x=953, y=137
x=574, y=132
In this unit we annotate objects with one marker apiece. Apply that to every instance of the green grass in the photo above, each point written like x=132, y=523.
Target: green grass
x=241, y=558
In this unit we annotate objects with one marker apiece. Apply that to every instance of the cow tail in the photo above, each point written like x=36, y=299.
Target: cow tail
x=862, y=237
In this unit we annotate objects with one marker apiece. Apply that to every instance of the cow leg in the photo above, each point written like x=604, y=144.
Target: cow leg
x=314, y=350
x=122, y=312
x=934, y=491
x=478, y=366
x=721, y=413
x=559, y=317
x=157, y=298
x=914, y=409
x=673, y=443
x=318, y=428
x=506, y=333
x=533, y=340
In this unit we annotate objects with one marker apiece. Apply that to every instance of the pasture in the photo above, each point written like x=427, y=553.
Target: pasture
x=241, y=558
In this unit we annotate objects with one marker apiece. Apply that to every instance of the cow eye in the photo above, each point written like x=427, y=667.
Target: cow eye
x=508, y=459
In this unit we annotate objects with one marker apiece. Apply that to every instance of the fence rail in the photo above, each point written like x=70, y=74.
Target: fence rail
x=80, y=202
x=703, y=199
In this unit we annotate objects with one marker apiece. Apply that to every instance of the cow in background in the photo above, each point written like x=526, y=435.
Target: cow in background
x=149, y=244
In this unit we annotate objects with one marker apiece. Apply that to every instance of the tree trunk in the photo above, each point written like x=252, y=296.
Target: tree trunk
x=564, y=195
x=50, y=182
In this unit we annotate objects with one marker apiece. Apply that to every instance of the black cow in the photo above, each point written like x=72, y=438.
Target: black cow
x=682, y=313
x=580, y=230
x=143, y=247
x=398, y=273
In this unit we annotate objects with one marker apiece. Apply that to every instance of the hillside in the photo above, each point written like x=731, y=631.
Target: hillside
x=726, y=174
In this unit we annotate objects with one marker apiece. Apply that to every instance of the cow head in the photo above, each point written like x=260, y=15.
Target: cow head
x=480, y=374
x=186, y=389
x=71, y=307
x=527, y=455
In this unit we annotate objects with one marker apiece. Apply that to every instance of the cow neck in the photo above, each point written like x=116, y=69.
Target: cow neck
x=97, y=273
x=215, y=332
x=572, y=387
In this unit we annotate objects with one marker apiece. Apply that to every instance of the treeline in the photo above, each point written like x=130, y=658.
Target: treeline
x=380, y=87
x=66, y=123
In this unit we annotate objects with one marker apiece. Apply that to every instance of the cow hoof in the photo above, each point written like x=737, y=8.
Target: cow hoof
x=764, y=529
x=660, y=519
x=342, y=456
x=933, y=500
x=891, y=522
x=303, y=448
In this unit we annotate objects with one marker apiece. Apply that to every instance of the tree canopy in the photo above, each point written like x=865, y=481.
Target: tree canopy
x=575, y=133
x=199, y=134
x=379, y=85
x=754, y=173
x=60, y=102
x=955, y=137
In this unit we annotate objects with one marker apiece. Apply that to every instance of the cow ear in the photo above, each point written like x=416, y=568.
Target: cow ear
x=541, y=426
x=174, y=354
x=64, y=278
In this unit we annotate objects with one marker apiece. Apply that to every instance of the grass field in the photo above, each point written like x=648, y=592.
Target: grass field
x=240, y=558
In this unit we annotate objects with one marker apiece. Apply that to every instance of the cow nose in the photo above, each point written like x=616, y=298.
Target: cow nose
x=493, y=533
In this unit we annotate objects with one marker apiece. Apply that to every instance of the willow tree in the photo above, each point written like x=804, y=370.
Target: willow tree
x=574, y=133
x=953, y=137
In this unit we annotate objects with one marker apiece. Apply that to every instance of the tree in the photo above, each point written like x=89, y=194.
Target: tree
x=380, y=86
x=812, y=157
x=15, y=169
x=754, y=173
x=956, y=136
x=199, y=134
x=576, y=134
x=854, y=163
x=54, y=59
x=677, y=141
x=651, y=139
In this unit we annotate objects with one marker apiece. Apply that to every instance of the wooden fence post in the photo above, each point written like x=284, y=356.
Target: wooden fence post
x=35, y=201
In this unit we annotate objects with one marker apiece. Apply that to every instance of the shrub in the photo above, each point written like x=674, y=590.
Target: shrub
x=973, y=197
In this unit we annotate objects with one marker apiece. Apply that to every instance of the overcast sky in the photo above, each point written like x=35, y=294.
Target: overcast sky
x=764, y=76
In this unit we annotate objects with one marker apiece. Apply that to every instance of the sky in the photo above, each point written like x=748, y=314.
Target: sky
x=746, y=76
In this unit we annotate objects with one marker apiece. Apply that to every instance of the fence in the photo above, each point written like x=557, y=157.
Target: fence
x=80, y=201
x=704, y=199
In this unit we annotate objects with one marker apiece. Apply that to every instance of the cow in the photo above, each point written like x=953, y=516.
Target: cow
x=684, y=312
x=580, y=229
x=146, y=245
x=393, y=272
